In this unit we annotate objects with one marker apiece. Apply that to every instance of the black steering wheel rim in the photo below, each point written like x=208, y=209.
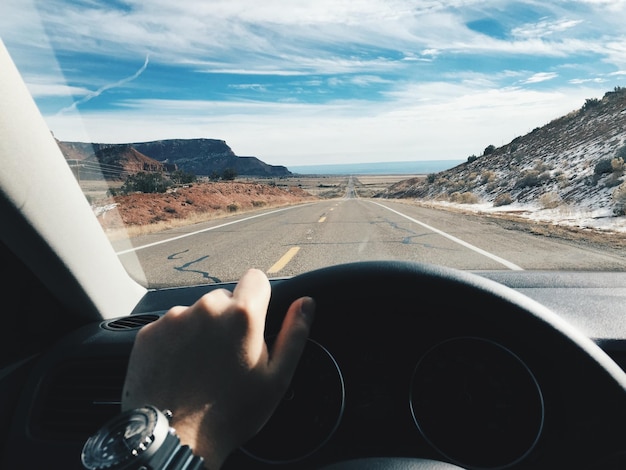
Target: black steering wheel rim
x=437, y=290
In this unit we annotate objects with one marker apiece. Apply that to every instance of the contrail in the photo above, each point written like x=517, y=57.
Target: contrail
x=99, y=91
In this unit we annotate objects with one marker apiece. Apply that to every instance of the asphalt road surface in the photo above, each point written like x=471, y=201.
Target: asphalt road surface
x=287, y=241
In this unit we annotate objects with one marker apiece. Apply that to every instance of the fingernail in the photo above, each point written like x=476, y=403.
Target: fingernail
x=307, y=308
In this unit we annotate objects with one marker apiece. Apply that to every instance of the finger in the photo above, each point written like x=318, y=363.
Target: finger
x=215, y=302
x=253, y=291
x=291, y=339
x=252, y=296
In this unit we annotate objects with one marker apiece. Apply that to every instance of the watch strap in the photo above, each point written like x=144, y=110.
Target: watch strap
x=183, y=459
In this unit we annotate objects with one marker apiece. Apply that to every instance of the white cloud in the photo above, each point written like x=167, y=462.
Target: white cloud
x=540, y=77
x=249, y=86
x=544, y=28
x=40, y=87
x=451, y=113
x=455, y=121
x=225, y=34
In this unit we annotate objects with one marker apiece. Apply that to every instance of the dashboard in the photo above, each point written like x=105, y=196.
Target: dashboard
x=406, y=364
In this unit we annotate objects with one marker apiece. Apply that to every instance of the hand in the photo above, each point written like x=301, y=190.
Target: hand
x=209, y=364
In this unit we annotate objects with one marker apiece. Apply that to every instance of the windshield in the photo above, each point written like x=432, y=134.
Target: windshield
x=210, y=137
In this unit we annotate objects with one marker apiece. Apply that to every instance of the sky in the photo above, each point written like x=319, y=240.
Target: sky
x=302, y=83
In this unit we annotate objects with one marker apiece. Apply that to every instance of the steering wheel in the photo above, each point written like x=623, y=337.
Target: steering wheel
x=414, y=366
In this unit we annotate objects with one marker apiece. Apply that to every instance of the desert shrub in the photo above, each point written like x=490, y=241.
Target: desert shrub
x=470, y=198
x=489, y=149
x=541, y=167
x=464, y=198
x=258, y=203
x=169, y=209
x=563, y=180
x=528, y=178
x=491, y=187
x=229, y=174
x=182, y=177
x=550, y=200
x=603, y=166
x=619, y=197
x=471, y=158
x=145, y=183
x=503, y=199
x=590, y=103
x=487, y=177
x=232, y=207
x=431, y=178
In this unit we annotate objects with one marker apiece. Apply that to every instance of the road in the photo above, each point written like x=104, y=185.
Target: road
x=287, y=241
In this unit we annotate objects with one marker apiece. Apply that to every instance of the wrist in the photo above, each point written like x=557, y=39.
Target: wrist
x=210, y=445
x=139, y=438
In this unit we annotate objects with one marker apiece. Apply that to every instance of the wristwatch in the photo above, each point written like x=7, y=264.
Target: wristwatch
x=138, y=439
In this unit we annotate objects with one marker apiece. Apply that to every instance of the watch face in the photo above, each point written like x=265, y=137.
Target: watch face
x=120, y=440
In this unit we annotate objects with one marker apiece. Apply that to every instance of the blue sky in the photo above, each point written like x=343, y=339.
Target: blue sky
x=300, y=82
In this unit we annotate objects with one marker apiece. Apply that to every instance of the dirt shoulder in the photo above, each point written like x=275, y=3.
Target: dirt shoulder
x=512, y=221
x=143, y=213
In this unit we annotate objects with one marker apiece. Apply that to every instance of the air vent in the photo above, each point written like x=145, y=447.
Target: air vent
x=131, y=322
x=78, y=397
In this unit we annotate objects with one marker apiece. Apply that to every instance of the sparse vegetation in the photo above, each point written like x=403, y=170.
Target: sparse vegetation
x=464, y=198
x=550, y=200
x=489, y=149
x=590, y=103
x=145, y=183
x=182, y=177
x=619, y=197
x=229, y=174
x=488, y=177
x=529, y=178
x=603, y=166
x=503, y=199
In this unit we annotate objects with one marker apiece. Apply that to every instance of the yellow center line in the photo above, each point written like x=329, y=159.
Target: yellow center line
x=322, y=219
x=282, y=262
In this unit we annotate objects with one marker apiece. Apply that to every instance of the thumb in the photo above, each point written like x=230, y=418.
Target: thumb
x=291, y=339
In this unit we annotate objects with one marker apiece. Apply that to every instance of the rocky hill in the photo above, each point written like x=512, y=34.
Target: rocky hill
x=108, y=161
x=202, y=157
x=573, y=163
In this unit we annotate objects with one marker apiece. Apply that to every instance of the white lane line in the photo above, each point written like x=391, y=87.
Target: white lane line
x=506, y=263
x=137, y=248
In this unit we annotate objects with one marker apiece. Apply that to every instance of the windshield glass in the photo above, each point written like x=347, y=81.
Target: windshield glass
x=210, y=137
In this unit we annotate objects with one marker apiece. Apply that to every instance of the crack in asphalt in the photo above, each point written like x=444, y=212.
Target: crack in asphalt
x=184, y=267
x=409, y=239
